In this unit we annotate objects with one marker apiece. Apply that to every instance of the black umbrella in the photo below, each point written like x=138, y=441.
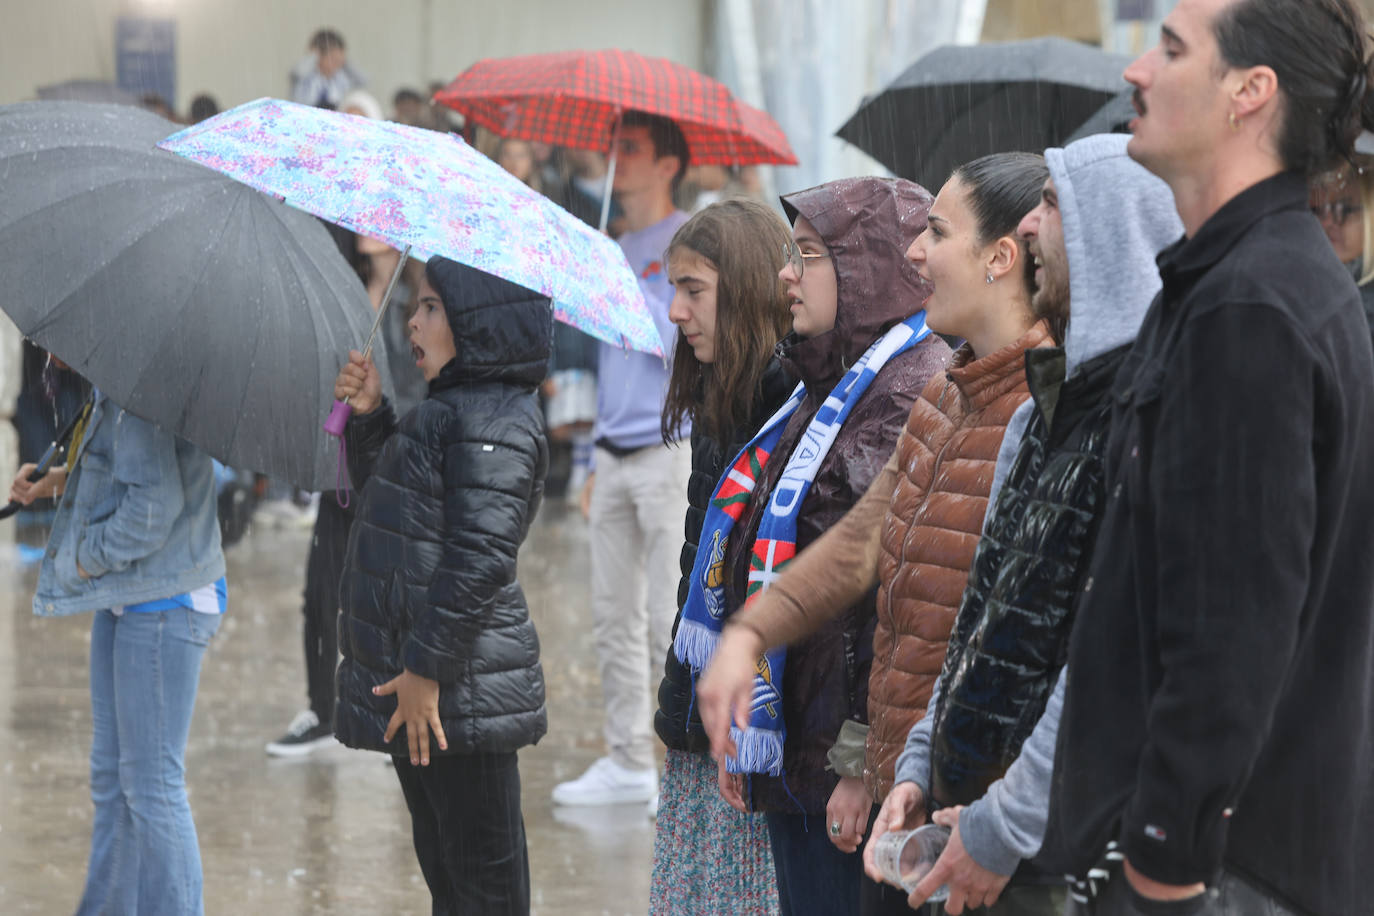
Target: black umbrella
x=960, y=102
x=1111, y=118
x=86, y=91
x=192, y=300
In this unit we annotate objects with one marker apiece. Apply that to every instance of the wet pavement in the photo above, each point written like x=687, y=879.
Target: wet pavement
x=326, y=834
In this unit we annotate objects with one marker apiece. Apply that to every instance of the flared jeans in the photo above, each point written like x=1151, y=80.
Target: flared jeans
x=145, y=667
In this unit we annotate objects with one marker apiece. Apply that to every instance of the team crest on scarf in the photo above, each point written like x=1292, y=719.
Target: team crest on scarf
x=703, y=614
x=766, y=696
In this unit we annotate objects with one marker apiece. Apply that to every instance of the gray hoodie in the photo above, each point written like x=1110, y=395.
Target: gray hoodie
x=1116, y=218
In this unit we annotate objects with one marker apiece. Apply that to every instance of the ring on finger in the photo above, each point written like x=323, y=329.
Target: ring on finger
x=834, y=828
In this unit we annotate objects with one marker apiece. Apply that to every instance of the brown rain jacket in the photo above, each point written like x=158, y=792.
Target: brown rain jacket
x=913, y=535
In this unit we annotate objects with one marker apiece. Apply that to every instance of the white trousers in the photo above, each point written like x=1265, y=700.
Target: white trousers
x=637, y=513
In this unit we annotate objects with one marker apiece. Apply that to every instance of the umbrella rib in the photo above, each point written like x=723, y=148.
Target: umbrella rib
x=182, y=308
x=315, y=395
x=57, y=314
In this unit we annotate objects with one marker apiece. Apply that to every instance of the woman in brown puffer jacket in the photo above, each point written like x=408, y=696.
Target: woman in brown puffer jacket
x=914, y=531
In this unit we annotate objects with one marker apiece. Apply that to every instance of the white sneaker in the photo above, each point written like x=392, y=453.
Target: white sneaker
x=607, y=783
x=653, y=807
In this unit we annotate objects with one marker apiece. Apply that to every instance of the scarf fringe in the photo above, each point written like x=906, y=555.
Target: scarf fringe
x=695, y=644
x=760, y=751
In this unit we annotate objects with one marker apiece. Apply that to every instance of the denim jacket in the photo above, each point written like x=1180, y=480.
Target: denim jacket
x=138, y=514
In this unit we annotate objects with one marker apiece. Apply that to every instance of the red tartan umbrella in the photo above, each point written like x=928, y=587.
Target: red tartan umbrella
x=572, y=98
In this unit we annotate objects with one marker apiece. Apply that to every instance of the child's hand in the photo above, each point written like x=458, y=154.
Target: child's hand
x=359, y=384
x=417, y=708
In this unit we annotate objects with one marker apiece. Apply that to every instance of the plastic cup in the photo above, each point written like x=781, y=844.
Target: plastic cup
x=906, y=856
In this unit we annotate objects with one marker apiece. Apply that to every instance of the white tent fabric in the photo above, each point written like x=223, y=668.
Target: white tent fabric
x=810, y=62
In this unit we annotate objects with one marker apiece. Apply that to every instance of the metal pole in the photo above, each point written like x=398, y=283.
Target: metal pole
x=386, y=301
x=610, y=174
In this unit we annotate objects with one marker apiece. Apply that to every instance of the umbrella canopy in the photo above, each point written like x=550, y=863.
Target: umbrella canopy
x=961, y=102
x=430, y=191
x=191, y=300
x=99, y=91
x=572, y=98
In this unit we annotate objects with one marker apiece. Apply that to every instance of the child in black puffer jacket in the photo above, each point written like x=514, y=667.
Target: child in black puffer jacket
x=440, y=660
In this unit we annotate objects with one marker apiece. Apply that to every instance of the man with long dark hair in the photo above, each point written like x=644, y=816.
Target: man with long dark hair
x=1216, y=751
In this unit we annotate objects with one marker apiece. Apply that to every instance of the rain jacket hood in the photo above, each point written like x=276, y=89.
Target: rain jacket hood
x=1117, y=217
x=501, y=330
x=867, y=224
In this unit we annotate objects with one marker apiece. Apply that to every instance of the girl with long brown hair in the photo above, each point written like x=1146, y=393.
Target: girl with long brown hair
x=731, y=310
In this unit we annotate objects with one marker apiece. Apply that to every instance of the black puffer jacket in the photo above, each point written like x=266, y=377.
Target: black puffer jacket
x=1012, y=633
x=675, y=727
x=447, y=497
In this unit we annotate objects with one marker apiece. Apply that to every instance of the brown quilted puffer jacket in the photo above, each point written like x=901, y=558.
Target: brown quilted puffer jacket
x=945, y=460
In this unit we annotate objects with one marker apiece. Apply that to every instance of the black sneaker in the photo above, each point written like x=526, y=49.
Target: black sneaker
x=305, y=735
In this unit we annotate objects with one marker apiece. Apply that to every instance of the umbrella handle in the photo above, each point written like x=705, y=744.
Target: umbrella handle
x=338, y=418
x=610, y=175
x=339, y=414
x=44, y=464
x=48, y=459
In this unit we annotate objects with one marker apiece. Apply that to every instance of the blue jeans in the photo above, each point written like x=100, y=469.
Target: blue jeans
x=144, y=671
x=813, y=876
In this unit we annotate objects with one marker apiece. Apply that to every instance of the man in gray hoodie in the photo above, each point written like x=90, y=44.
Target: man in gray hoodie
x=981, y=758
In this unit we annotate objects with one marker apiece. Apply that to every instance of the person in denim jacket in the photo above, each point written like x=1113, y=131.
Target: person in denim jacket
x=136, y=541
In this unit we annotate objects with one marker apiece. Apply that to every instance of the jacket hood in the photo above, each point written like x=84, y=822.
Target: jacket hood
x=1117, y=217
x=868, y=224
x=501, y=330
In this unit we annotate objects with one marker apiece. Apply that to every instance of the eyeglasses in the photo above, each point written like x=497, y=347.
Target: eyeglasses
x=793, y=255
x=1337, y=211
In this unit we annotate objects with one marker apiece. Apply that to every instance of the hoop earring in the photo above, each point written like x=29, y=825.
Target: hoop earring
x=1233, y=120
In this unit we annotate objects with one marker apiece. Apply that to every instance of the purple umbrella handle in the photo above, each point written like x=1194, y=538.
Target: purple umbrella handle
x=341, y=411
x=335, y=425
x=341, y=482
x=338, y=419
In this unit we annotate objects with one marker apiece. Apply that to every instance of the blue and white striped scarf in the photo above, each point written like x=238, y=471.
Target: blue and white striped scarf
x=703, y=614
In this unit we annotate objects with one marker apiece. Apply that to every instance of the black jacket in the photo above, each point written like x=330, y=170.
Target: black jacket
x=446, y=498
x=676, y=728
x=1011, y=636
x=1220, y=699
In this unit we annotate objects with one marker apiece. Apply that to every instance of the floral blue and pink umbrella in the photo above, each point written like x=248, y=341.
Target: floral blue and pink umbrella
x=432, y=192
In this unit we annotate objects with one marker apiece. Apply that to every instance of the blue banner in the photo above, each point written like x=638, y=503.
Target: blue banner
x=145, y=56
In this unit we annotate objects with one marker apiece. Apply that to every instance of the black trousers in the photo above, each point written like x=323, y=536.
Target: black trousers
x=323, y=568
x=1230, y=896
x=468, y=832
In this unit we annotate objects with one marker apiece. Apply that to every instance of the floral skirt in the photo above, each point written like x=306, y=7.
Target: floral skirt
x=708, y=858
